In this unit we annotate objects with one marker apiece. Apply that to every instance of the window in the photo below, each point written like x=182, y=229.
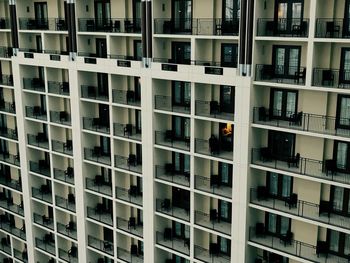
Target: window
x=279, y=186
x=181, y=127
x=182, y=15
x=137, y=49
x=288, y=13
x=340, y=198
x=181, y=93
x=344, y=74
x=338, y=243
x=181, y=52
x=342, y=155
x=224, y=211
x=225, y=245
x=138, y=121
x=180, y=230
x=227, y=99
x=105, y=146
x=136, y=13
x=276, y=224
x=346, y=30
x=229, y=55
x=281, y=144
x=283, y=103
x=40, y=9
x=230, y=9
x=181, y=163
x=225, y=174
x=102, y=13
x=343, y=112
x=286, y=60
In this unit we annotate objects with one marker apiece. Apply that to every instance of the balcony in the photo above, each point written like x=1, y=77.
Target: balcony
x=10, y=158
x=60, y=117
x=10, y=228
x=300, y=165
x=113, y=25
x=70, y=255
x=5, y=245
x=212, y=147
x=212, y=109
x=280, y=74
x=47, y=244
x=100, y=214
x=126, y=97
x=168, y=138
x=40, y=140
x=62, y=147
x=35, y=84
x=6, y=180
x=131, y=195
x=205, y=255
x=168, y=173
x=331, y=78
x=43, y=193
x=283, y=27
x=99, y=185
x=58, y=88
x=5, y=23
x=95, y=155
x=197, y=26
x=128, y=163
x=68, y=204
x=6, y=80
x=166, y=239
x=51, y=24
x=43, y=220
x=165, y=103
x=96, y=124
x=6, y=106
x=9, y=205
x=93, y=93
x=36, y=112
x=292, y=247
x=66, y=176
x=102, y=245
x=164, y=206
x=68, y=230
x=130, y=226
x=301, y=121
x=131, y=256
x=9, y=133
x=212, y=221
x=212, y=185
x=22, y=256
x=127, y=131
x=40, y=167
x=5, y=52
x=322, y=212
x=331, y=28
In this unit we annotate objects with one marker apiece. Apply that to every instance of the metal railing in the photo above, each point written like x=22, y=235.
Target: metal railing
x=171, y=210
x=100, y=216
x=127, y=97
x=8, y=204
x=203, y=108
x=197, y=26
x=62, y=147
x=65, y=203
x=204, y=255
x=112, y=25
x=102, y=245
x=280, y=74
x=283, y=27
x=60, y=88
x=6, y=80
x=52, y=24
x=124, y=57
x=5, y=52
x=332, y=28
x=6, y=248
x=122, y=130
x=46, y=246
x=97, y=156
x=7, y=106
x=12, y=229
x=203, y=183
x=173, y=176
x=66, y=176
x=181, y=245
x=102, y=188
x=203, y=219
x=161, y=138
x=9, y=133
x=9, y=182
x=43, y=220
x=60, y=117
x=40, y=168
x=94, y=124
x=20, y=255
x=165, y=103
x=10, y=158
x=124, y=225
x=202, y=146
x=38, y=194
x=67, y=256
x=65, y=230
x=36, y=112
x=126, y=255
x=38, y=142
x=331, y=78
x=124, y=194
x=124, y=163
x=35, y=84
x=93, y=92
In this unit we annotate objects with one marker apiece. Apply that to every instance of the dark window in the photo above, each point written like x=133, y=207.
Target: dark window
x=230, y=9
x=102, y=84
x=283, y=103
x=279, y=186
x=181, y=127
x=224, y=246
x=286, y=60
x=181, y=163
x=181, y=93
x=343, y=112
x=227, y=99
x=342, y=155
x=229, y=55
x=136, y=13
x=339, y=243
x=288, y=13
x=225, y=209
x=276, y=224
x=340, y=199
x=344, y=74
x=226, y=136
x=281, y=144
x=137, y=88
x=102, y=13
x=138, y=121
x=103, y=114
x=101, y=48
x=225, y=174
x=181, y=52
x=137, y=49
x=346, y=26
x=40, y=10
x=139, y=153
x=181, y=198
x=105, y=145
x=181, y=15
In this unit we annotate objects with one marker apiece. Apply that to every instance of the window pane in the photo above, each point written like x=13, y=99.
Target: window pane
x=334, y=241
x=342, y=155
x=187, y=126
x=347, y=245
x=284, y=225
x=277, y=103
x=177, y=128
x=338, y=196
x=286, y=186
x=345, y=111
x=224, y=209
x=280, y=60
x=187, y=92
x=272, y=223
x=177, y=161
x=293, y=61
x=186, y=163
x=273, y=183
x=224, y=172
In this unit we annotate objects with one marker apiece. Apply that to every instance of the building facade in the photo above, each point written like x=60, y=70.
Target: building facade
x=182, y=131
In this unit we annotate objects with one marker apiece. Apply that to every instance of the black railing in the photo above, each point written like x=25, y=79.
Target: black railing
x=204, y=219
x=197, y=26
x=60, y=117
x=60, y=88
x=205, y=184
x=99, y=186
x=6, y=80
x=8, y=204
x=166, y=207
x=7, y=106
x=39, y=140
x=66, y=176
x=302, y=121
x=36, y=112
x=127, y=97
x=12, y=229
x=10, y=158
x=181, y=245
x=127, y=131
x=127, y=163
x=21, y=255
x=6, y=247
x=96, y=124
x=168, y=139
x=35, y=84
x=93, y=92
x=43, y=220
x=97, y=214
x=331, y=78
x=169, y=175
x=67, y=230
x=302, y=165
x=173, y=61
x=280, y=74
x=203, y=147
x=166, y=103
x=67, y=255
x=52, y=24
x=42, y=195
x=96, y=155
x=112, y=25
x=283, y=27
x=40, y=167
x=5, y=52
x=65, y=203
x=5, y=23
x=125, y=225
x=127, y=195
x=124, y=57
x=127, y=256
x=212, y=109
x=62, y=147
x=12, y=183
x=102, y=245
x=48, y=246
x=9, y=133
x=332, y=28
x=205, y=255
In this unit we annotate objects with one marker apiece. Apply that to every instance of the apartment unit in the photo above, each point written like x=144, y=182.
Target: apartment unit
x=167, y=131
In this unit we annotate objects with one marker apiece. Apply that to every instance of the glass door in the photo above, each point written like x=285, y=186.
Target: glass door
x=288, y=14
x=230, y=15
x=225, y=174
x=343, y=112
x=346, y=23
x=136, y=12
x=281, y=144
x=279, y=186
x=40, y=10
x=102, y=14
x=283, y=104
x=224, y=211
x=101, y=48
x=344, y=74
x=229, y=55
x=227, y=99
x=103, y=111
x=137, y=49
x=342, y=155
x=181, y=93
x=286, y=61
x=182, y=16
x=181, y=52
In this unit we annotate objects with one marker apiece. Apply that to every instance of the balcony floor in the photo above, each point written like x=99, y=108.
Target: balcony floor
x=175, y=178
x=176, y=244
x=177, y=212
x=218, y=190
x=222, y=227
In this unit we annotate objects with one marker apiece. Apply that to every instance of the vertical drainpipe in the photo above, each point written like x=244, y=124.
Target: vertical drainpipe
x=72, y=30
x=149, y=30
x=242, y=38
x=249, y=47
x=14, y=27
x=146, y=28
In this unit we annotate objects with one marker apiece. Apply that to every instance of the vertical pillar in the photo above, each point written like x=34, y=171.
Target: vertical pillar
x=146, y=29
x=242, y=38
x=249, y=47
x=72, y=29
x=14, y=27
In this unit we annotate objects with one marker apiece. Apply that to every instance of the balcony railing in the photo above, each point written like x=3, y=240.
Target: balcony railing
x=10, y=158
x=280, y=74
x=46, y=245
x=167, y=138
x=128, y=163
x=40, y=167
x=283, y=27
x=52, y=24
x=36, y=112
x=167, y=173
x=93, y=92
x=66, y=176
x=99, y=185
x=12, y=229
x=205, y=220
x=127, y=97
x=301, y=121
x=102, y=245
x=8, y=204
x=65, y=203
x=67, y=230
x=209, y=185
x=6, y=247
x=197, y=26
x=317, y=212
x=39, y=140
x=96, y=155
x=127, y=131
x=5, y=23
x=205, y=255
x=124, y=57
x=6, y=80
x=60, y=88
x=43, y=194
x=60, y=117
x=125, y=225
x=100, y=215
x=6, y=106
x=203, y=147
x=302, y=166
x=332, y=28
x=43, y=221
x=15, y=184
x=127, y=256
x=112, y=25
x=165, y=206
x=67, y=256
x=181, y=245
x=128, y=195
x=9, y=133
x=331, y=78
x=62, y=147
x=166, y=103
x=212, y=109
x=35, y=84
x=5, y=52
x=96, y=124
x=20, y=255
